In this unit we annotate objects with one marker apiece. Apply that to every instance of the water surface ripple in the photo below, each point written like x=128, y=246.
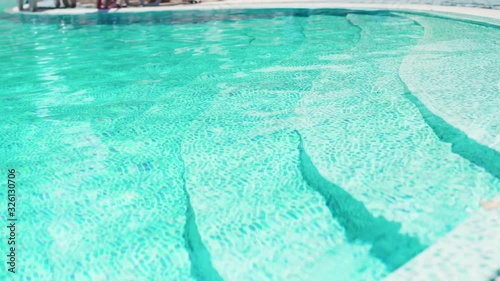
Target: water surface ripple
x=164, y=146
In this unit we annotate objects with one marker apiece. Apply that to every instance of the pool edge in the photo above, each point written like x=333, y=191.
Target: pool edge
x=471, y=251
x=252, y=4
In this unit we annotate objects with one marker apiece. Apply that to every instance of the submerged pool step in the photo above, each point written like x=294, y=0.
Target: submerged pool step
x=461, y=111
x=383, y=236
x=201, y=263
x=369, y=139
x=461, y=144
x=453, y=71
x=258, y=218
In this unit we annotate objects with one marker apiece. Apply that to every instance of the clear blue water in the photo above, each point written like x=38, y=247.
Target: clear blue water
x=244, y=145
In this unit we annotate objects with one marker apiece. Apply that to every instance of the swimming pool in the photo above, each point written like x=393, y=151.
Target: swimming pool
x=285, y=144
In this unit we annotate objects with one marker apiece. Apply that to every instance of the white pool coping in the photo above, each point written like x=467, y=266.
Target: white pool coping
x=262, y=4
x=471, y=251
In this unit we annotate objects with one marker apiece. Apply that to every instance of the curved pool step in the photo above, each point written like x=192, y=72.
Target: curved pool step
x=386, y=242
x=258, y=218
x=367, y=137
x=461, y=144
x=453, y=71
x=202, y=268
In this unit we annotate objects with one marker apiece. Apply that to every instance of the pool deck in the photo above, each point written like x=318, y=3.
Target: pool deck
x=471, y=251
x=258, y=4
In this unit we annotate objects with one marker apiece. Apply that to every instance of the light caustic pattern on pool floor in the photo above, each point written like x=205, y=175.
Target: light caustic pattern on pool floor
x=302, y=146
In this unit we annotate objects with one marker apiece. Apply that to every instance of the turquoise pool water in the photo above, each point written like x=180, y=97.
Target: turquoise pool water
x=243, y=145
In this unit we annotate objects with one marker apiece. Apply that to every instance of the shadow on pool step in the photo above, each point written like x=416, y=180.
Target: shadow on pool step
x=388, y=244
x=201, y=262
